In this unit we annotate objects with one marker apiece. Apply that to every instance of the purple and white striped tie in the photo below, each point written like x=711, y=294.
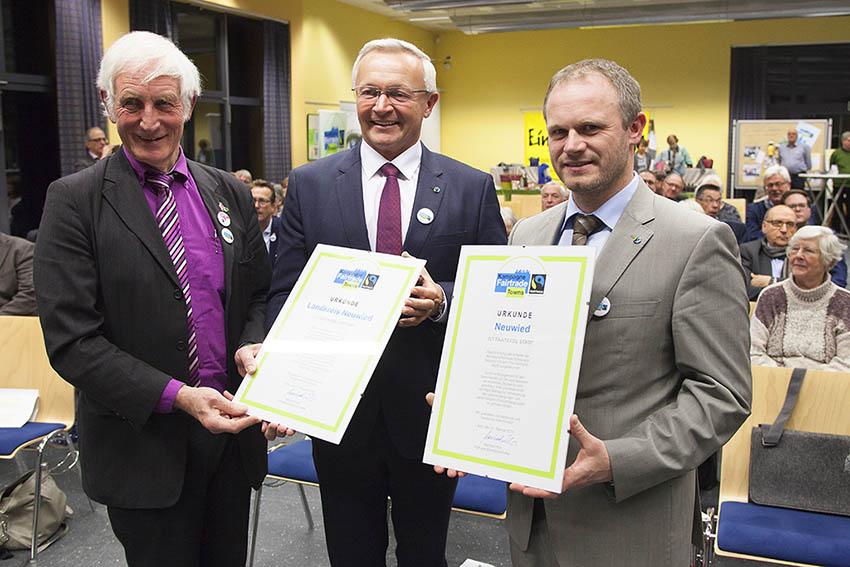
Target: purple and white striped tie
x=169, y=225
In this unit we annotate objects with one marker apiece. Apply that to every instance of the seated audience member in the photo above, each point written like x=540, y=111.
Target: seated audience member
x=17, y=295
x=650, y=180
x=764, y=260
x=709, y=195
x=841, y=156
x=804, y=322
x=672, y=187
x=509, y=217
x=553, y=193
x=244, y=176
x=777, y=181
x=798, y=201
x=726, y=212
x=642, y=160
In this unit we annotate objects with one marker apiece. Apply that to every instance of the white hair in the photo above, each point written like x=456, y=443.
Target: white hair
x=831, y=248
x=508, y=216
x=429, y=73
x=777, y=170
x=692, y=205
x=154, y=55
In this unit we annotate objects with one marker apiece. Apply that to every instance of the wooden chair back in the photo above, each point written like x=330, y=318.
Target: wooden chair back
x=25, y=365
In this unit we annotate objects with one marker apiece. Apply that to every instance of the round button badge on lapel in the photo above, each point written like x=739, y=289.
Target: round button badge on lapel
x=227, y=235
x=425, y=215
x=603, y=308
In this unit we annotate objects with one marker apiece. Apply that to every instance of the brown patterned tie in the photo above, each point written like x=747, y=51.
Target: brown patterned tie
x=583, y=227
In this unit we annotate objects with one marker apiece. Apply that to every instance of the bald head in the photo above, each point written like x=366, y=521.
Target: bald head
x=779, y=225
x=673, y=185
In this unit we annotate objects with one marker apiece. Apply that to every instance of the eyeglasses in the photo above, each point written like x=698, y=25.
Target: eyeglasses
x=101, y=139
x=797, y=249
x=780, y=223
x=262, y=200
x=709, y=201
x=398, y=95
x=775, y=185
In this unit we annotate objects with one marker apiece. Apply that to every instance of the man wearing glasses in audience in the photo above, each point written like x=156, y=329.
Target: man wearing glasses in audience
x=95, y=143
x=798, y=201
x=265, y=203
x=764, y=260
x=777, y=181
x=389, y=194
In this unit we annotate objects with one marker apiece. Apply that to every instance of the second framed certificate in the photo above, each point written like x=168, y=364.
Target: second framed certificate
x=510, y=364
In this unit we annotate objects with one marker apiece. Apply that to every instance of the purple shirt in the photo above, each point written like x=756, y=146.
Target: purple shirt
x=206, y=278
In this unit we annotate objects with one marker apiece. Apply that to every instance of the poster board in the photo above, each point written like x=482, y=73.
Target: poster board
x=756, y=142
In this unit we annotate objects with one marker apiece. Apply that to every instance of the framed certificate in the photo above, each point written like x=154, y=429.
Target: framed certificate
x=326, y=342
x=510, y=364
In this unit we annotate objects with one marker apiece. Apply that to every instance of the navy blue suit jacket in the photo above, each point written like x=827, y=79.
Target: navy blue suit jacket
x=324, y=204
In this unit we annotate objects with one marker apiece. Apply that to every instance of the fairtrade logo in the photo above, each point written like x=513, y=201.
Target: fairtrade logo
x=370, y=281
x=538, y=284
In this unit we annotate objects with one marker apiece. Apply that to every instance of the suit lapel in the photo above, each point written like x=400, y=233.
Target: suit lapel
x=348, y=187
x=427, y=197
x=626, y=241
x=122, y=191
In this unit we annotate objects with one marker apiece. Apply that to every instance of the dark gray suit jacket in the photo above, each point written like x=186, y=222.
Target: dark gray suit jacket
x=114, y=324
x=754, y=261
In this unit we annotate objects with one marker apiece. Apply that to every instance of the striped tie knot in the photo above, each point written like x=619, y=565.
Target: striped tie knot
x=583, y=227
x=158, y=181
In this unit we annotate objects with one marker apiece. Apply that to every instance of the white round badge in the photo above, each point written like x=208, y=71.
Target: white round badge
x=272, y=237
x=603, y=308
x=223, y=218
x=227, y=235
x=425, y=215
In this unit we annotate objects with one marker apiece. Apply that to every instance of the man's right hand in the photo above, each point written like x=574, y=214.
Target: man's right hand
x=272, y=431
x=758, y=280
x=216, y=412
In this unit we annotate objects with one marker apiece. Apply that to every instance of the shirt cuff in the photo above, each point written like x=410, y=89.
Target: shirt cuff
x=443, y=313
x=169, y=394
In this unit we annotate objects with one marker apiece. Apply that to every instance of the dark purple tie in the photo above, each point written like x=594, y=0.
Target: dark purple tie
x=388, y=239
x=169, y=225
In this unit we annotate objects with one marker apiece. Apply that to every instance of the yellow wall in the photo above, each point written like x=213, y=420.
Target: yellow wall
x=683, y=71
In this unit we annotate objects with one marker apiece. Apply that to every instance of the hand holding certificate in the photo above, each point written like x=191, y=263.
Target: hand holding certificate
x=323, y=348
x=510, y=364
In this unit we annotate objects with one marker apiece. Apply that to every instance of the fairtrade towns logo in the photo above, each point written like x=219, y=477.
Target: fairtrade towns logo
x=520, y=283
x=352, y=279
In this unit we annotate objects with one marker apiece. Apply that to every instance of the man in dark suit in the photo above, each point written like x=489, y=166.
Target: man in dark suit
x=777, y=182
x=17, y=296
x=389, y=194
x=151, y=275
x=764, y=260
x=265, y=203
x=95, y=142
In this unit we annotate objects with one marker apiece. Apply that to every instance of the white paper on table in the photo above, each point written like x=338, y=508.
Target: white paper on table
x=324, y=345
x=509, y=370
x=17, y=406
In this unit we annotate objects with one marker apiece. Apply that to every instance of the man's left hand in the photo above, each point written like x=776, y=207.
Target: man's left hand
x=592, y=465
x=424, y=301
x=246, y=359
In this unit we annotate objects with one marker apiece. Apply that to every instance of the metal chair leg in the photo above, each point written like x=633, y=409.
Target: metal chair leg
x=305, y=506
x=255, y=521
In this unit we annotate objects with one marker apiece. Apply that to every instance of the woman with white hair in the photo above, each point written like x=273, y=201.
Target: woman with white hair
x=804, y=321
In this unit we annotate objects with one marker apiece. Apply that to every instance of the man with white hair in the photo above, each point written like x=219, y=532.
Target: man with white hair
x=777, y=181
x=151, y=276
x=553, y=193
x=389, y=194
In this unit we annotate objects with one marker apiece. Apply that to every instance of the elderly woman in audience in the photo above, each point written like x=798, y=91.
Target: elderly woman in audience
x=804, y=321
x=509, y=218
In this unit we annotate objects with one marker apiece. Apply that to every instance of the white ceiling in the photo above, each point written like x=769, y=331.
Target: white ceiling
x=487, y=16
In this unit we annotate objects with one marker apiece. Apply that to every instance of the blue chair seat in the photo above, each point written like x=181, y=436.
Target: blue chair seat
x=13, y=437
x=480, y=494
x=779, y=533
x=294, y=462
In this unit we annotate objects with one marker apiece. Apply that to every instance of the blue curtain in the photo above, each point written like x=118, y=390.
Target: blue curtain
x=277, y=142
x=79, y=42
x=151, y=15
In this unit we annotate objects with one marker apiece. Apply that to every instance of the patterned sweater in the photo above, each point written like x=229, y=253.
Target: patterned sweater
x=802, y=328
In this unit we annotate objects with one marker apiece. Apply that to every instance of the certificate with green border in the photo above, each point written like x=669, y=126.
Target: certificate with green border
x=509, y=370
x=324, y=346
